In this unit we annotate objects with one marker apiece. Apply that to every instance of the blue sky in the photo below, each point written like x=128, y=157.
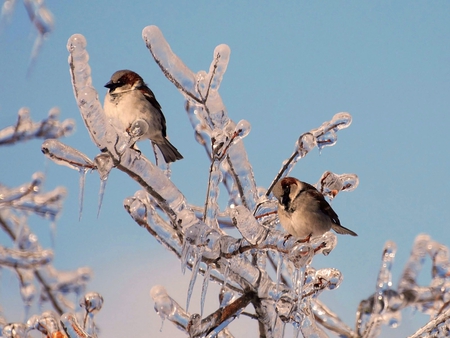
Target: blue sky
x=293, y=66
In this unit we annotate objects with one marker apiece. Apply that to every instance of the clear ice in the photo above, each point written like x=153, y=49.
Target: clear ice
x=39, y=281
x=260, y=269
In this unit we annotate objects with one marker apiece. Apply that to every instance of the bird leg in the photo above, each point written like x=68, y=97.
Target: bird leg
x=321, y=246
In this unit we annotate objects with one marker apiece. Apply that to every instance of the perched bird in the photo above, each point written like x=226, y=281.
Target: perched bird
x=303, y=211
x=129, y=99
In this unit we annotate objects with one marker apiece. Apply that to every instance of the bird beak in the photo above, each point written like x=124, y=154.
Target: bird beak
x=110, y=84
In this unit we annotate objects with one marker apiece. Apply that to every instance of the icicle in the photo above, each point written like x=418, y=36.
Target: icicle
x=101, y=193
x=195, y=268
x=279, y=267
x=81, y=194
x=185, y=255
x=104, y=164
x=223, y=295
x=204, y=289
x=211, y=205
x=53, y=233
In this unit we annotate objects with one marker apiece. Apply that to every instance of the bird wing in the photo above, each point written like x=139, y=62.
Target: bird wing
x=150, y=97
x=326, y=208
x=323, y=204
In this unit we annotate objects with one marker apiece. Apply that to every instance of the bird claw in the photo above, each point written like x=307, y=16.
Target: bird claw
x=286, y=237
x=306, y=239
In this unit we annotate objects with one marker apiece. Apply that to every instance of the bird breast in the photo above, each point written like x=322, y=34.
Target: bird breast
x=123, y=109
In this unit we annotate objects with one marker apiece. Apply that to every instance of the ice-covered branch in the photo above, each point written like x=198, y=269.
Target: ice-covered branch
x=196, y=235
x=324, y=136
x=25, y=129
x=117, y=144
x=24, y=259
x=27, y=259
x=40, y=17
x=207, y=112
x=384, y=307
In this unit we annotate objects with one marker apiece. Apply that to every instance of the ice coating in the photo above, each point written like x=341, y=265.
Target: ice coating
x=198, y=236
x=25, y=259
x=204, y=289
x=92, y=303
x=247, y=225
x=72, y=327
x=86, y=96
x=201, y=92
x=330, y=184
x=47, y=323
x=211, y=205
x=195, y=270
x=321, y=137
x=180, y=75
x=166, y=307
x=39, y=282
x=25, y=129
x=66, y=155
x=14, y=330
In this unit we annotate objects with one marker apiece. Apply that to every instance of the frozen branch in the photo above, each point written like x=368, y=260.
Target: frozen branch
x=25, y=129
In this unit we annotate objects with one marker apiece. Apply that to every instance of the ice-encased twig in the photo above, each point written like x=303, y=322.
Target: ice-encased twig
x=324, y=136
x=72, y=328
x=329, y=319
x=24, y=259
x=181, y=227
x=68, y=156
x=330, y=184
x=386, y=304
x=42, y=20
x=55, y=285
x=369, y=324
x=433, y=327
x=25, y=129
x=31, y=199
x=201, y=92
x=150, y=177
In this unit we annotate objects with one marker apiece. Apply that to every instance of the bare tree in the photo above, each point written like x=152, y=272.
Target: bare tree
x=262, y=268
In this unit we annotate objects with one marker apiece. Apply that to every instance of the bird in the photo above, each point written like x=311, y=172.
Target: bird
x=129, y=99
x=303, y=211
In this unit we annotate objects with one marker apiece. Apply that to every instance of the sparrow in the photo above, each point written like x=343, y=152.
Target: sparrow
x=128, y=99
x=303, y=211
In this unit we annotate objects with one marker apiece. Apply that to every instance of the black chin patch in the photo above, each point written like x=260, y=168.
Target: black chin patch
x=285, y=197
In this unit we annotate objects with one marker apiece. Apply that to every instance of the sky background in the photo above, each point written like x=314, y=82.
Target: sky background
x=293, y=66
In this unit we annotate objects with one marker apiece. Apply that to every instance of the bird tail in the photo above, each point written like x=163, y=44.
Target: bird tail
x=170, y=153
x=342, y=230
